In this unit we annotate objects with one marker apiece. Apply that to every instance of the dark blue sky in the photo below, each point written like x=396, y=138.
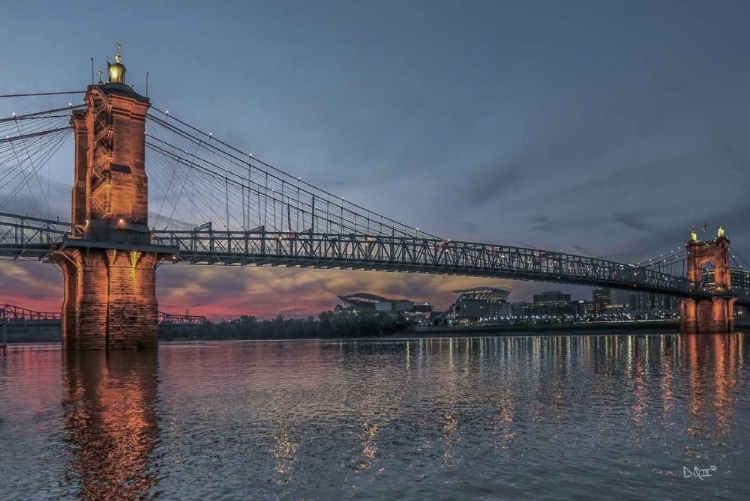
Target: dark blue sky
x=602, y=128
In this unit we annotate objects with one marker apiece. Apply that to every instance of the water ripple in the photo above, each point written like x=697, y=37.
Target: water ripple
x=554, y=417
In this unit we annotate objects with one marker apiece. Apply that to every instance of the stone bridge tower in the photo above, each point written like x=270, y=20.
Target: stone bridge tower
x=108, y=263
x=714, y=314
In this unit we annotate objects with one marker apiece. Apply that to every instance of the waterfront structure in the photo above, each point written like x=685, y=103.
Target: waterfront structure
x=656, y=305
x=109, y=269
x=522, y=309
x=363, y=302
x=481, y=305
x=582, y=309
x=601, y=299
x=610, y=302
x=714, y=314
x=552, y=303
x=620, y=299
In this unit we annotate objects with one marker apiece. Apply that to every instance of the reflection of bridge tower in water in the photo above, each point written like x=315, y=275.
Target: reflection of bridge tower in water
x=713, y=365
x=111, y=421
x=714, y=314
x=109, y=264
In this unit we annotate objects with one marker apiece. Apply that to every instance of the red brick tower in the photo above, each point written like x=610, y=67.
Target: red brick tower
x=109, y=264
x=716, y=314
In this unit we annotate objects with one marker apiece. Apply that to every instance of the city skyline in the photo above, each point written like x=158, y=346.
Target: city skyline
x=483, y=137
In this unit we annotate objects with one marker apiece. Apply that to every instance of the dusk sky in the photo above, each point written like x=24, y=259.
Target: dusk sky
x=606, y=129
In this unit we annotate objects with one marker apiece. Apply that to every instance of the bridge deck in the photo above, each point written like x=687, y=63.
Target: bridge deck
x=35, y=238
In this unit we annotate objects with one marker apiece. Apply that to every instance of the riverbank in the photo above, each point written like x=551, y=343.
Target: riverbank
x=593, y=328
x=216, y=333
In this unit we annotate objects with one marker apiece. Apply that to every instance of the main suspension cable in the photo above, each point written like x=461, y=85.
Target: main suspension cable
x=35, y=94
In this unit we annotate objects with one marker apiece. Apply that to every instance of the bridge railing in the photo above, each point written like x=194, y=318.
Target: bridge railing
x=359, y=251
x=30, y=236
x=25, y=237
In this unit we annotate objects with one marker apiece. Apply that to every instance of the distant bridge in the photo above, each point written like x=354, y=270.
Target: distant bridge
x=172, y=319
x=15, y=315
x=11, y=314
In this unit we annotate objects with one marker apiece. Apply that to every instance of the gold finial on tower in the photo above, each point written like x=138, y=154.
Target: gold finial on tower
x=117, y=70
x=721, y=232
x=693, y=235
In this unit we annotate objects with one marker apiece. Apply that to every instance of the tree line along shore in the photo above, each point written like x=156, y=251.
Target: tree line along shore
x=330, y=326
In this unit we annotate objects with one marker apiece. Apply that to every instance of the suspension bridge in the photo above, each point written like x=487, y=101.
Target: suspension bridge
x=149, y=188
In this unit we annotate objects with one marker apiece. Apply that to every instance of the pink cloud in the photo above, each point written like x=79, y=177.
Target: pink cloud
x=228, y=292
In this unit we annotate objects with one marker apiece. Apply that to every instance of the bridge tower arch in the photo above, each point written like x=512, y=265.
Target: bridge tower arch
x=715, y=314
x=109, y=263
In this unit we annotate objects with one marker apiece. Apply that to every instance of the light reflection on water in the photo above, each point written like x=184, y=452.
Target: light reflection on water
x=553, y=417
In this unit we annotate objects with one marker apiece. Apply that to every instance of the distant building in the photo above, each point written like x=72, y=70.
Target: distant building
x=654, y=304
x=522, y=309
x=552, y=303
x=642, y=302
x=619, y=299
x=636, y=305
x=481, y=305
x=600, y=298
x=362, y=302
x=581, y=308
x=739, y=280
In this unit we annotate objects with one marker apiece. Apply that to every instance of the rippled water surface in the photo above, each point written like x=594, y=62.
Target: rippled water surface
x=604, y=417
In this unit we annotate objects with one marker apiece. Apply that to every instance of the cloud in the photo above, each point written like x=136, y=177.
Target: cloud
x=630, y=220
x=542, y=223
x=496, y=180
x=50, y=200
x=31, y=284
x=583, y=250
x=218, y=291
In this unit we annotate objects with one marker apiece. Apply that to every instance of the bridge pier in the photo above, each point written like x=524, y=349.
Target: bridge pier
x=110, y=298
x=714, y=314
x=703, y=316
x=109, y=263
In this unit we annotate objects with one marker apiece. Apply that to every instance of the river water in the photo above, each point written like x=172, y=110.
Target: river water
x=552, y=417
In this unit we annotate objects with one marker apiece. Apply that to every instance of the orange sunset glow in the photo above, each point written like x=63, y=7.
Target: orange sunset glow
x=227, y=292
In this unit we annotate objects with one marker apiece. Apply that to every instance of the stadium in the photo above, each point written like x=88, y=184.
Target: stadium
x=480, y=305
x=363, y=302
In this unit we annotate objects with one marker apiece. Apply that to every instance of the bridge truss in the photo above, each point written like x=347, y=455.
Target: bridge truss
x=12, y=314
x=35, y=238
x=172, y=319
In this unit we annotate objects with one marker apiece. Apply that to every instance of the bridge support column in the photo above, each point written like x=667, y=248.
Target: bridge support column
x=108, y=262
x=110, y=298
x=704, y=316
x=688, y=322
x=708, y=314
